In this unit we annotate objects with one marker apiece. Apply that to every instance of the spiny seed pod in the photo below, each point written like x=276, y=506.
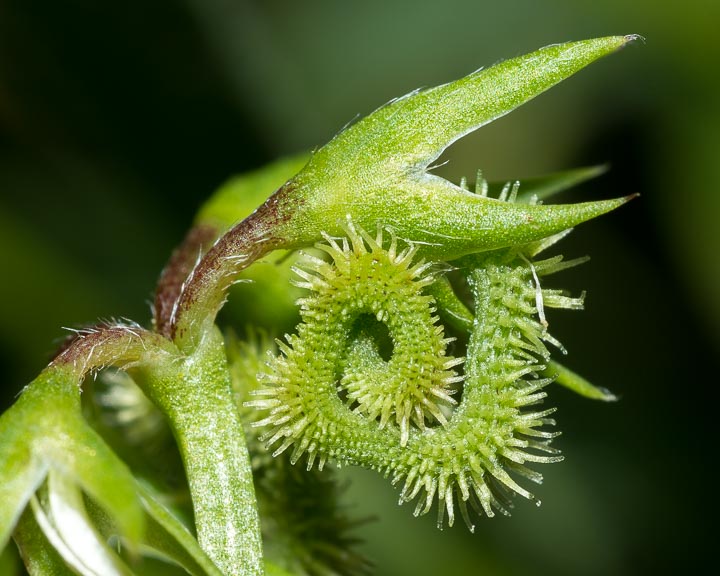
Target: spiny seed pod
x=331, y=393
x=366, y=286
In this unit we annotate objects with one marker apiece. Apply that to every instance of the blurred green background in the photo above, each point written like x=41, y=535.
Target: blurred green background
x=117, y=118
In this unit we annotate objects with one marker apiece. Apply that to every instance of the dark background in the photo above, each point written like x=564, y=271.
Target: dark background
x=118, y=118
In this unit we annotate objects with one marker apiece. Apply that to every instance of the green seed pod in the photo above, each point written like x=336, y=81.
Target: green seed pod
x=331, y=394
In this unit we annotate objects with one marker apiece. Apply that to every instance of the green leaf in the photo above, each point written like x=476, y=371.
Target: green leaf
x=412, y=131
x=9, y=561
x=39, y=556
x=545, y=187
x=167, y=543
x=452, y=310
x=20, y=475
x=167, y=538
x=577, y=383
x=44, y=433
x=272, y=569
x=65, y=522
x=239, y=196
x=375, y=171
x=105, y=478
x=24, y=427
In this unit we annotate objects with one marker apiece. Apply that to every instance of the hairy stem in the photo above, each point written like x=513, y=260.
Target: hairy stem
x=195, y=396
x=172, y=280
x=205, y=289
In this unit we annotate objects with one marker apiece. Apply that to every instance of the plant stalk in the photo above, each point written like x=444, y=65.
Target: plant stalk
x=195, y=396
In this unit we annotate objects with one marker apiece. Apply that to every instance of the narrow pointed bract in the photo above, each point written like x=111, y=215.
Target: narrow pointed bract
x=411, y=132
x=375, y=171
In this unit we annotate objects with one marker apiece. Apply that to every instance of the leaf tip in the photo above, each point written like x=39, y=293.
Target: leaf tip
x=607, y=395
x=630, y=38
x=626, y=199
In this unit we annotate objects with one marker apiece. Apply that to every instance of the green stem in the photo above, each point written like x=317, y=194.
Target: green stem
x=196, y=398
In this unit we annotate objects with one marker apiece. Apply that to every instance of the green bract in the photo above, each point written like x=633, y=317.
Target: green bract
x=376, y=170
x=375, y=173
x=405, y=263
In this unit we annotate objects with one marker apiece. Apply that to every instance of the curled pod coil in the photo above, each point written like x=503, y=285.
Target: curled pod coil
x=331, y=394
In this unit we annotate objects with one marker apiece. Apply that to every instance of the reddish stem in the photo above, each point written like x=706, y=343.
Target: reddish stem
x=202, y=293
x=182, y=262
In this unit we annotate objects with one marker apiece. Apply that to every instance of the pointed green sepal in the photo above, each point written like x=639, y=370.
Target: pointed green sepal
x=411, y=132
x=375, y=171
x=544, y=187
x=572, y=381
x=453, y=311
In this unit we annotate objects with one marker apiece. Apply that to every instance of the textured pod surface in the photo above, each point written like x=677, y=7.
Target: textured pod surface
x=332, y=394
x=368, y=300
